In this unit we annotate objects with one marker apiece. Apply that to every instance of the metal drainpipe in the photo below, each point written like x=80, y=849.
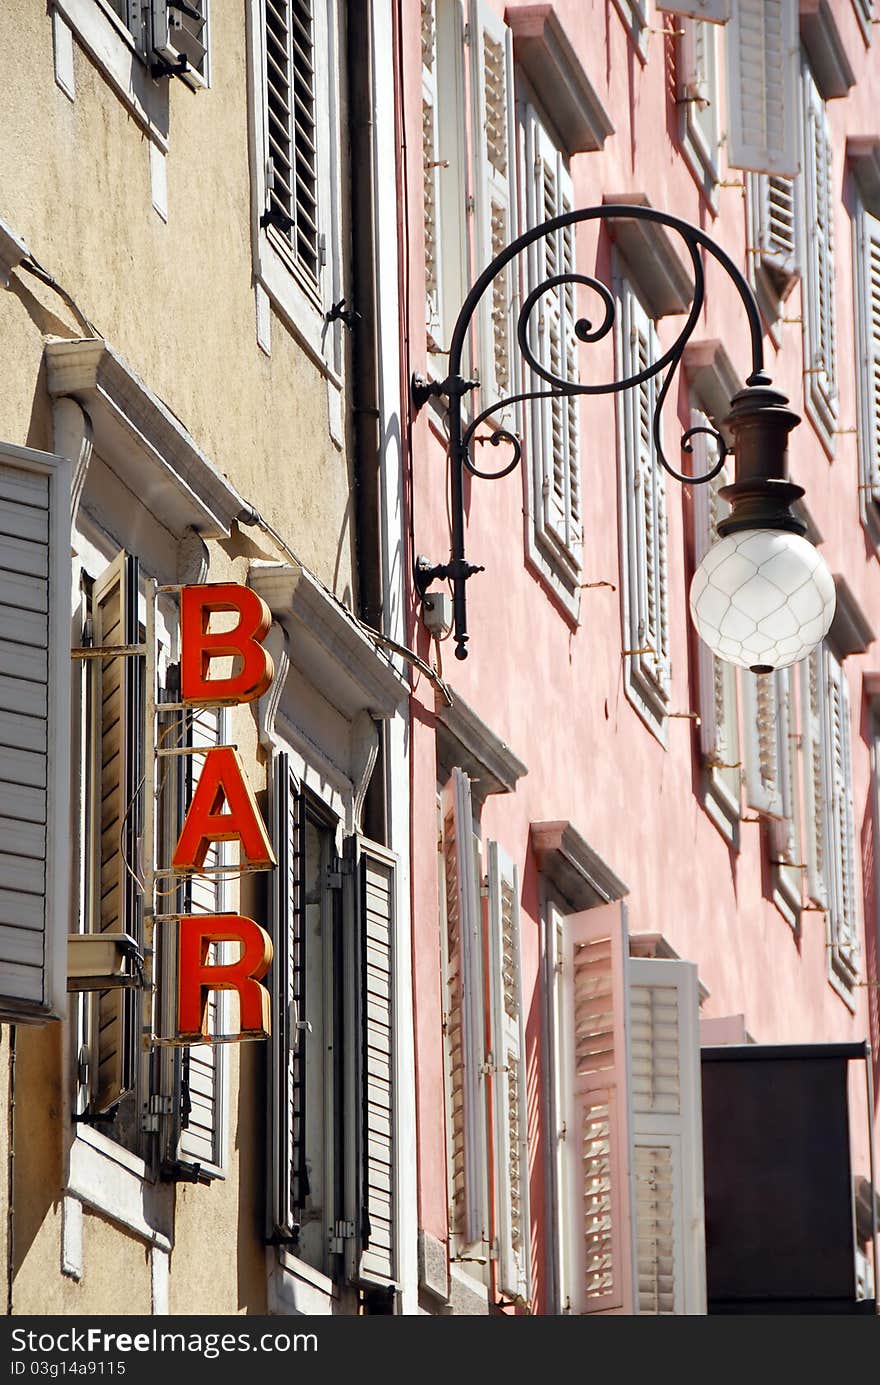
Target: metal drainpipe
x=10, y=1176
x=364, y=358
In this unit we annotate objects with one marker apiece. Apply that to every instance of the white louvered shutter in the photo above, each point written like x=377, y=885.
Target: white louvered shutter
x=114, y=821
x=715, y=11
x=868, y=373
x=202, y=1065
x=431, y=176
x=785, y=833
x=291, y=132
x=719, y=740
x=762, y=75
x=761, y=743
x=597, y=1254
x=555, y=437
x=286, y=1065
x=376, y=1244
x=509, y=1102
x=180, y=30
x=646, y=540
x=776, y=226
x=667, y=1138
x=817, y=791
x=491, y=48
x=843, y=905
x=819, y=291
x=35, y=580
x=463, y=1014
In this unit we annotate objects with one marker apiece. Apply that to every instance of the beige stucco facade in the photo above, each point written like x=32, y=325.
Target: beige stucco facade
x=140, y=206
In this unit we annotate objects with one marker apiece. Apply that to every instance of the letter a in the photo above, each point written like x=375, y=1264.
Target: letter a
x=198, y=647
x=222, y=780
x=197, y=977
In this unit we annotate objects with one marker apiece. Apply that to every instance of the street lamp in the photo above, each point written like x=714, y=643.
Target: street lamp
x=763, y=596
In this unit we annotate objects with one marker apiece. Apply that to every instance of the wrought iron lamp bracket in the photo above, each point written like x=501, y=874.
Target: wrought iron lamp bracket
x=456, y=386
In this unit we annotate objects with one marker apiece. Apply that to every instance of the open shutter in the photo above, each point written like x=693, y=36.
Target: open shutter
x=776, y=228
x=180, y=36
x=869, y=374
x=667, y=1138
x=491, y=47
x=819, y=289
x=35, y=577
x=651, y=573
x=555, y=432
x=114, y=821
x=509, y=1108
x=291, y=132
x=431, y=174
x=817, y=790
x=760, y=740
x=844, y=910
x=376, y=875
x=463, y=1013
x=201, y=1135
x=762, y=78
x=785, y=830
x=597, y=1255
x=287, y=1179
x=715, y=11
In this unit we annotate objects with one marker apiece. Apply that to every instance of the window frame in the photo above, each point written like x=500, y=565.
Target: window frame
x=867, y=251
x=819, y=324
x=301, y=303
x=701, y=146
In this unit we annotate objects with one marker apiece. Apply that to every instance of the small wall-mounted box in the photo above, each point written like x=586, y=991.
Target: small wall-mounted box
x=437, y=612
x=102, y=961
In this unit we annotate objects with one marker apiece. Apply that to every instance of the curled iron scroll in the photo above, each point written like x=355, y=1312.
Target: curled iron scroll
x=587, y=334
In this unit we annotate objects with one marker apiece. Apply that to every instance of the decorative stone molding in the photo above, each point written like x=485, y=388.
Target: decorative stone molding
x=653, y=259
x=863, y=157
x=463, y=739
x=12, y=251
x=140, y=439
x=192, y=559
x=850, y=632
x=578, y=872
x=276, y=645
x=364, y=753
x=712, y=378
x=72, y=437
x=545, y=55
x=327, y=644
x=825, y=49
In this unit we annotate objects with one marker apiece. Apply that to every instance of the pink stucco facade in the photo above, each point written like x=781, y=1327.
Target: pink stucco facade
x=549, y=680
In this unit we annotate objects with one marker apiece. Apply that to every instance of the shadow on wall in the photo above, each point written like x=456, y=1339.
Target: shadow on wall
x=872, y=971
x=37, y=1123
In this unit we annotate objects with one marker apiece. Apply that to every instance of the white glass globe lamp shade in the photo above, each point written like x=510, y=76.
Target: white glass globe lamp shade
x=762, y=598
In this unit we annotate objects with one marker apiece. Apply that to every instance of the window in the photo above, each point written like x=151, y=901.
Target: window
x=627, y=1122
x=831, y=879
x=297, y=137
x=554, y=431
x=170, y=36
x=820, y=362
x=770, y=740
x=131, y=1096
x=699, y=125
x=643, y=521
x=774, y=266
x=719, y=729
x=867, y=262
x=332, y=1155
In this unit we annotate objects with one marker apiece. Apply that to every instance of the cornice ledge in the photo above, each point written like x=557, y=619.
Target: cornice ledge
x=465, y=740
x=863, y=156
x=712, y=377
x=825, y=49
x=850, y=632
x=652, y=257
x=545, y=54
x=141, y=439
x=577, y=871
x=326, y=642
x=12, y=251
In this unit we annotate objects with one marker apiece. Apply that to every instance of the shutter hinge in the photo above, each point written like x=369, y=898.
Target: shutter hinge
x=322, y=250
x=342, y=1231
x=156, y=1107
x=469, y=203
x=337, y=872
x=466, y=36
x=563, y=1131
x=484, y=887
